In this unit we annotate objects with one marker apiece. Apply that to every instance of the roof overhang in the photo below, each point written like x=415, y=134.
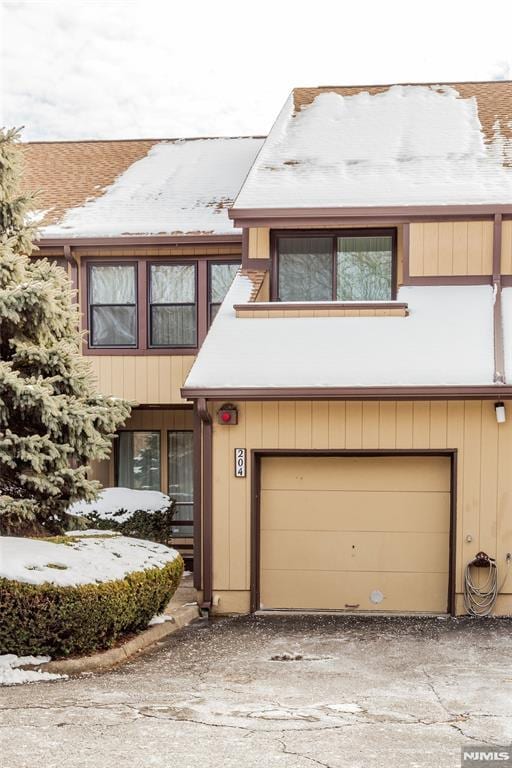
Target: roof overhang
x=463, y=392
x=139, y=240
x=293, y=217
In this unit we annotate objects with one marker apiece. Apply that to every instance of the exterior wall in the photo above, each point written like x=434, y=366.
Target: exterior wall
x=150, y=419
x=484, y=479
x=450, y=248
x=506, y=248
x=152, y=380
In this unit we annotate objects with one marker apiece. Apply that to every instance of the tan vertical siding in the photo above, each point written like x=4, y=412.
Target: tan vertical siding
x=506, y=248
x=259, y=243
x=484, y=480
x=143, y=379
x=451, y=248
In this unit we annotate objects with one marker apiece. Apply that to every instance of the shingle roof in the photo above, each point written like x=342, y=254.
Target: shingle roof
x=386, y=145
x=146, y=187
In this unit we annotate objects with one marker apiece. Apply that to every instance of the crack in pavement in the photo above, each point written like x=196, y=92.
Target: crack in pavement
x=286, y=751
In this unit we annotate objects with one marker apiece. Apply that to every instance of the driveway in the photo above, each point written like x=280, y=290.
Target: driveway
x=356, y=693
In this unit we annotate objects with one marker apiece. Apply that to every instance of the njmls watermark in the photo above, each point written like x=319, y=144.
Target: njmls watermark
x=482, y=754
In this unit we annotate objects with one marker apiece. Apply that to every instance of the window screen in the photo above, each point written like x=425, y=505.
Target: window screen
x=113, y=306
x=173, y=305
x=364, y=267
x=305, y=269
x=181, y=478
x=220, y=279
x=139, y=460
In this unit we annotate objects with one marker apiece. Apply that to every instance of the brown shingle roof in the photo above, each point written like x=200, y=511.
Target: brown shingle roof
x=494, y=99
x=66, y=174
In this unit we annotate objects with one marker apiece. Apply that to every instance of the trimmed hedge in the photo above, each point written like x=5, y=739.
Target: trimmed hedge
x=153, y=526
x=45, y=619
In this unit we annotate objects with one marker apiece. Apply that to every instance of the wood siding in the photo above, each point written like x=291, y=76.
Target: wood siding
x=259, y=243
x=449, y=248
x=506, y=248
x=484, y=479
x=145, y=380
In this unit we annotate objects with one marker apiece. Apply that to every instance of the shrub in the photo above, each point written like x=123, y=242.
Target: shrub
x=143, y=524
x=58, y=621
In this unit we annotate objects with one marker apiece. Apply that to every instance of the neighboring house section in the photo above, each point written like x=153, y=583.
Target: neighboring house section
x=142, y=228
x=351, y=454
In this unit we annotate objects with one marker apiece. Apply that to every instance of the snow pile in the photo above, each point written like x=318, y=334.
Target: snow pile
x=507, y=331
x=180, y=187
x=120, y=504
x=160, y=618
x=447, y=339
x=88, y=560
x=409, y=145
x=12, y=674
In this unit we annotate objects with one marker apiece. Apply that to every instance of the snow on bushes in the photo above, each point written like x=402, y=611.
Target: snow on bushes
x=146, y=514
x=78, y=594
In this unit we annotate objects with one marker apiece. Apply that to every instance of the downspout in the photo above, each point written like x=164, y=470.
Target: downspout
x=206, y=421
x=68, y=255
x=499, y=350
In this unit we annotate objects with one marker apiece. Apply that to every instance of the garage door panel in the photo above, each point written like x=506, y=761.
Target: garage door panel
x=354, y=551
x=355, y=510
x=324, y=590
x=336, y=528
x=384, y=473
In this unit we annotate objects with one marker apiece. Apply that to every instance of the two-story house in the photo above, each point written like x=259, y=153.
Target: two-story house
x=349, y=445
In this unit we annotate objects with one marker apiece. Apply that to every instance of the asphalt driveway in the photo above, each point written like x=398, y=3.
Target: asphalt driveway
x=281, y=691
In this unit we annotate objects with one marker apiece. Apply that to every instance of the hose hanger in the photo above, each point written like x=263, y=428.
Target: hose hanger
x=480, y=600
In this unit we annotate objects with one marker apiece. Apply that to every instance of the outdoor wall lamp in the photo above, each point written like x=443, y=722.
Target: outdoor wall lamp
x=501, y=415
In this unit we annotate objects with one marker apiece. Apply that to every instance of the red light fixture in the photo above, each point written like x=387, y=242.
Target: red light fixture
x=228, y=414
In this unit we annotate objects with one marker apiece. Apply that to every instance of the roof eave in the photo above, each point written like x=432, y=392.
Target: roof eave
x=441, y=392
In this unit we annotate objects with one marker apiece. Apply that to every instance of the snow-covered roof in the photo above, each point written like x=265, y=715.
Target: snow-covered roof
x=397, y=145
x=111, y=189
x=447, y=339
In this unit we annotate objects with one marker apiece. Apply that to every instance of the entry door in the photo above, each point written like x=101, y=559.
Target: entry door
x=355, y=533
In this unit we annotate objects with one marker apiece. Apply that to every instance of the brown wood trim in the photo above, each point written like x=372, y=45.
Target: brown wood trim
x=449, y=280
x=266, y=306
x=244, y=217
x=146, y=241
x=406, y=252
x=207, y=491
x=245, y=248
x=257, y=265
x=506, y=281
x=462, y=392
x=258, y=454
x=197, y=530
x=499, y=345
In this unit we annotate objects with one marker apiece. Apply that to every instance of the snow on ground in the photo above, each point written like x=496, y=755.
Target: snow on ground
x=12, y=674
x=88, y=560
x=112, y=500
x=160, y=618
x=180, y=187
x=507, y=331
x=447, y=339
x=410, y=145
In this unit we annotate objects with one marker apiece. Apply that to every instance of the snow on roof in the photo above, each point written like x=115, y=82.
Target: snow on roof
x=507, y=331
x=447, y=339
x=179, y=187
x=385, y=146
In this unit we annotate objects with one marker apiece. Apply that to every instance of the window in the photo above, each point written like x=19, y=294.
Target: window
x=138, y=460
x=220, y=278
x=172, y=305
x=347, y=266
x=181, y=478
x=112, y=305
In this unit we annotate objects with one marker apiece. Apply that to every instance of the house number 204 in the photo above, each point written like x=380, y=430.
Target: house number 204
x=240, y=462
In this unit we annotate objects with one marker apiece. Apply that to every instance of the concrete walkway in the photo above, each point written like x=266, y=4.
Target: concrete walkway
x=283, y=692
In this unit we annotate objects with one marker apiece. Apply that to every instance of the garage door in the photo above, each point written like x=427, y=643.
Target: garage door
x=355, y=533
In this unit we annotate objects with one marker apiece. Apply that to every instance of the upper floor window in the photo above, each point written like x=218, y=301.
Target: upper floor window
x=220, y=277
x=345, y=266
x=172, y=305
x=113, y=305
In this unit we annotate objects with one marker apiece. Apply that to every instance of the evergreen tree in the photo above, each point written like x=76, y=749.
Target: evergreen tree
x=52, y=421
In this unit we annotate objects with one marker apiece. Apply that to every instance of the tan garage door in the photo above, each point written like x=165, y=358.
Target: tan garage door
x=362, y=533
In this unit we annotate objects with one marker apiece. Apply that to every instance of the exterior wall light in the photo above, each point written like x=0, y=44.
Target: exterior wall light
x=227, y=414
x=501, y=415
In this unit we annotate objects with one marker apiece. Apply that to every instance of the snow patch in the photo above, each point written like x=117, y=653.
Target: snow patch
x=88, y=560
x=12, y=674
x=409, y=145
x=119, y=504
x=180, y=187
